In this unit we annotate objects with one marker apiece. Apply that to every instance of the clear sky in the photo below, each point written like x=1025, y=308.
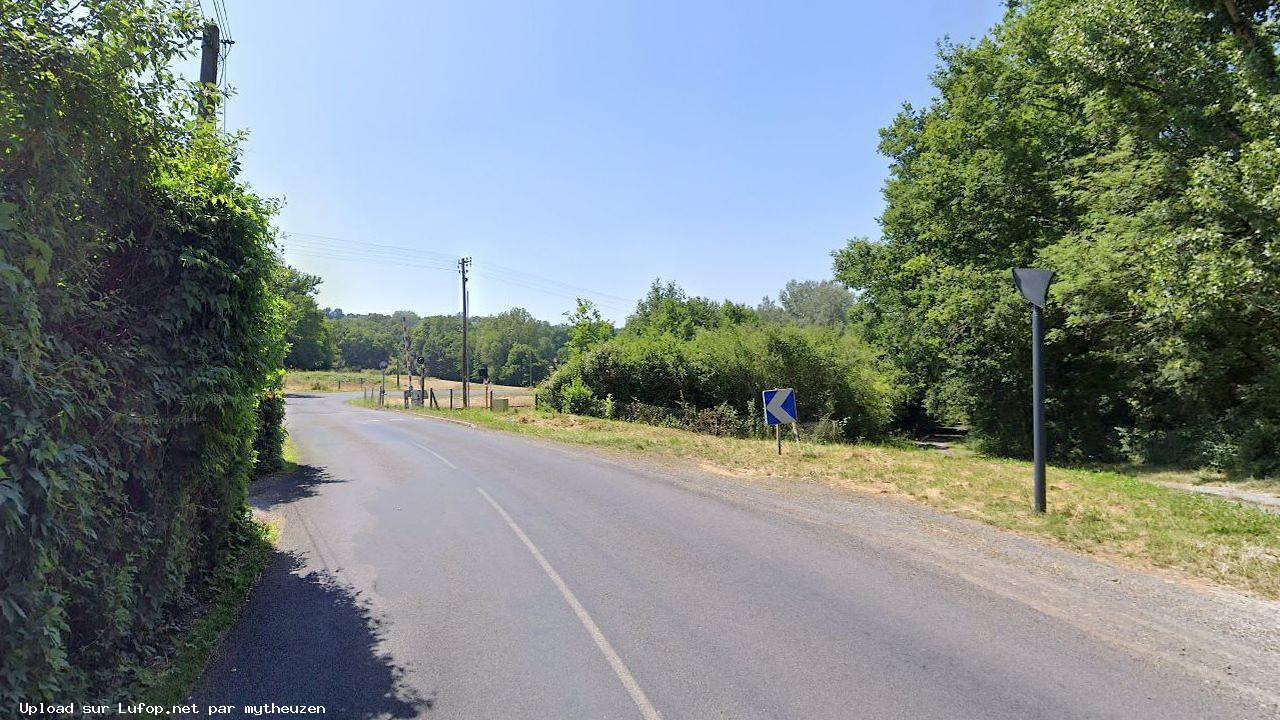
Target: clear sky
x=590, y=146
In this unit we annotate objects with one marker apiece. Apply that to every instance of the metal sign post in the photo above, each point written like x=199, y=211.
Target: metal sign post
x=779, y=408
x=1034, y=286
x=422, y=380
x=382, y=388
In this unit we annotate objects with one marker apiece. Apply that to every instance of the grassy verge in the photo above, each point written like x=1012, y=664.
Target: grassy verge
x=288, y=456
x=1108, y=513
x=170, y=683
x=1204, y=477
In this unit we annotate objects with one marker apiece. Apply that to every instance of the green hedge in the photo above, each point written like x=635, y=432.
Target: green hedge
x=836, y=377
x=137, y=334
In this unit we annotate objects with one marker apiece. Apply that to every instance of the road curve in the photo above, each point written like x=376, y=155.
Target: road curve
x=428, y=569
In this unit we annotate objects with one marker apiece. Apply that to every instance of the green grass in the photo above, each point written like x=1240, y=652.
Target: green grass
x=170, y=683
x=1108, y=513
x=1207, y=477
x=289, y=461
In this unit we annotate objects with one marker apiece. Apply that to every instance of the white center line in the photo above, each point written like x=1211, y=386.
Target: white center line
x=439, y=457
x=619, y=668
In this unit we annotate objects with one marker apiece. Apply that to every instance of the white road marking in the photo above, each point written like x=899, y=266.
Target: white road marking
x=439, y=457
x=619, y=668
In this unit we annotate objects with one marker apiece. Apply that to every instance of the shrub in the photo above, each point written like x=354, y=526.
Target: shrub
x=662, y=379
x=577, y=398
x=138, y=334
x=268, y=443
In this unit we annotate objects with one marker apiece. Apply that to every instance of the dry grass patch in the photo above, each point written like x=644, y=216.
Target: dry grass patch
x=354, y=380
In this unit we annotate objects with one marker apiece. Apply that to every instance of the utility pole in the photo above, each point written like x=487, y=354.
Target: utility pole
x=209, y=48
x=463, y=264
x=404, y=322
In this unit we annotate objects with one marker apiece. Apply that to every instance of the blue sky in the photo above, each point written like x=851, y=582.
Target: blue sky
x=574, y=148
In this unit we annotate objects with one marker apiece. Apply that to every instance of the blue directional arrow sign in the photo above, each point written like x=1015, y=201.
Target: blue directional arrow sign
x=780, y=406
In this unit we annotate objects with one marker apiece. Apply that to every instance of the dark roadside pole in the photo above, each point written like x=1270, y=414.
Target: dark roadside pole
x=382, y=388
x=1034, y=286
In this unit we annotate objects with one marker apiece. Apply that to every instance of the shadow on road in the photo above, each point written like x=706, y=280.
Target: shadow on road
x=305, y=640
x=285, y=487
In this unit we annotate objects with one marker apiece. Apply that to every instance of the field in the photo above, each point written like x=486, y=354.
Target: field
x=331, y=380
x=353, y=380
x=1116, y=515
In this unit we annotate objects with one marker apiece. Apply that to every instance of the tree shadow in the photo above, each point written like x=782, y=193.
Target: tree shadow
x=304, y=639
x=296, y=395
x=285, y=487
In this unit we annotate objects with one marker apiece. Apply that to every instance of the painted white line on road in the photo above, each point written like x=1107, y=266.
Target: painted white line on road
x=439, y=457
x=619, y=668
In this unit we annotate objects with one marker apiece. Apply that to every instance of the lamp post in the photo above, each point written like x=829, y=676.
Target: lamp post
x=1034, y=286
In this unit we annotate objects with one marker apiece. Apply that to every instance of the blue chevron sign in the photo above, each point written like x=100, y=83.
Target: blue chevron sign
x=779, y=406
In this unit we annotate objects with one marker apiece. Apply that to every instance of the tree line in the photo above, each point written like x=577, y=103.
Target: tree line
x=515, y=347
x=1134, y=147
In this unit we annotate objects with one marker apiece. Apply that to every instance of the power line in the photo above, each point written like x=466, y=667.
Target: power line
x=610, y=304
x=373, y=256
x=220, y=9
x=392, y=261
x=367, y=252
x=367, y=260
x=332, y=247
x=530, y=276
x=345, y=244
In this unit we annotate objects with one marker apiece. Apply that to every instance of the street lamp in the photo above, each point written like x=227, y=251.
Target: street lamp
x=1034, y=286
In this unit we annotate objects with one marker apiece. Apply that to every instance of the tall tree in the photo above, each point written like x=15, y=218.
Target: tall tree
x=307, y=332
x=587, y=328
x=1131, y=146
x=821, y=303
x=667, y=309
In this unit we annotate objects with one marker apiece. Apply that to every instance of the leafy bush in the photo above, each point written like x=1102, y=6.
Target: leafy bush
x=578, y=399
x=828, y=430
x=268, y=443
x=711, y=381
x=722, y=420
x=137, y=336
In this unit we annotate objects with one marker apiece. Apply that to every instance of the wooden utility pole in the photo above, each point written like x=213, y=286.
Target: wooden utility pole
x=209, y=48
x=463, y=264
x=404, y=323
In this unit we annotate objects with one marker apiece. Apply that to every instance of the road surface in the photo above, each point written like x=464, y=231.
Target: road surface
x=428, y=569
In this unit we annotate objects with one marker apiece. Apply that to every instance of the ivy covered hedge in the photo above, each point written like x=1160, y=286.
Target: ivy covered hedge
x=138, y=332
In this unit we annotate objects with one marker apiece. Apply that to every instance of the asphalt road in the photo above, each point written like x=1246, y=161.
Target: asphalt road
x=433, y=570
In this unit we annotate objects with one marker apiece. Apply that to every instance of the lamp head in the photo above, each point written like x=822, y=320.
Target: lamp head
x=1033, y=284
